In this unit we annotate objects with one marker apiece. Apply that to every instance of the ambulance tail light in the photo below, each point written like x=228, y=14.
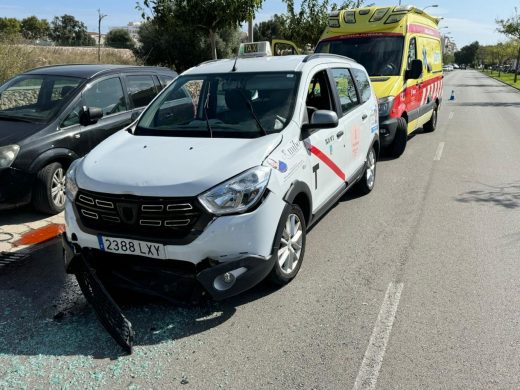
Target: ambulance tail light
x=385, y=105
x=349, y=17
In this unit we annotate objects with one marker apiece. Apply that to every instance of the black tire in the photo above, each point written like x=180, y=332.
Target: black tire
x=431, y=125
x=397, y=147
x=366, y=184
x=279, y=275
x=42, y=196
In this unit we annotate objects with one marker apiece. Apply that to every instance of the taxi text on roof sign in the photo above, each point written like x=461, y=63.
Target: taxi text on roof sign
x=255, y=49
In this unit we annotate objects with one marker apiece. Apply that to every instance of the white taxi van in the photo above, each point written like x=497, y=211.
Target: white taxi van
x=216, y=200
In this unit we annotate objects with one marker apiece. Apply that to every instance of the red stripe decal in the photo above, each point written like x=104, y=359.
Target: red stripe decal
x=323, y=157
x=420, y=29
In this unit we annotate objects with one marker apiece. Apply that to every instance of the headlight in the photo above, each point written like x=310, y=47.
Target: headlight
x=71, y=187
x=8, y=154
x=385, y=105
x=237, y=194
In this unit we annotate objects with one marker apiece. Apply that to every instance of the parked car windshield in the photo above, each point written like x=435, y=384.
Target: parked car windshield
x=233, y=105
x=381, y=56
x=35, y=98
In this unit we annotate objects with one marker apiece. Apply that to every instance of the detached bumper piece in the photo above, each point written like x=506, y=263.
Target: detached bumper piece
x=107, y=311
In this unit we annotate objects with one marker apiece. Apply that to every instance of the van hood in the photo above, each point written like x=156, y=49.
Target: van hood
x=169, y=166
x=387, y=85
x=13, y=132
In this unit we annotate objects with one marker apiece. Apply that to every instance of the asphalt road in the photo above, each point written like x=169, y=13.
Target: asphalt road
x=415, y=286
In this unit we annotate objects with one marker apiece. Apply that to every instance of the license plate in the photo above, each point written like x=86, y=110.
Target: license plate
x=132, y=247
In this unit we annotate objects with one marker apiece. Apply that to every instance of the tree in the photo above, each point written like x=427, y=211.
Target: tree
x=67, y=31
x=269, y=29
x=468, y=54
x=9, y=26
x=306, y=25
x=211, y=16
x=511, y=28
x=34, y=28
x=120, y=39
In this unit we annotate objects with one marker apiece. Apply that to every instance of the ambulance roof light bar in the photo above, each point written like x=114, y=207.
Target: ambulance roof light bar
x=255, y=49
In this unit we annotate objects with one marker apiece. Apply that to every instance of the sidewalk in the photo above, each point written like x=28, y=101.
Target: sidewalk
x=14, y=224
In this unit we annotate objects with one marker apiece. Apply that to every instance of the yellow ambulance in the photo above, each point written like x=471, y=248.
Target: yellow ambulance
x=400, y=46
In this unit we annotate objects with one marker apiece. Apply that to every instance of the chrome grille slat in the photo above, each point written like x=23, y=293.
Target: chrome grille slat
x=179, y=207
x=181, y=222
x=149, y=222
x=86, y=199
x=105, y=204
x=110, y=218
x=90, y=214
x=152, y=207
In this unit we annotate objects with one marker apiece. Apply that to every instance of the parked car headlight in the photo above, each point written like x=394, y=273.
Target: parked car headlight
x=8, y=154
x=71, y=187
x=238, y=194
x=385, y=105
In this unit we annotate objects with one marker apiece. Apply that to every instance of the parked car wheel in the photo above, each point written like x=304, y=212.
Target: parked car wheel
x=290, y=248
x=366, y=184
x=398, y=146
x=431, y=125
x=49, y=189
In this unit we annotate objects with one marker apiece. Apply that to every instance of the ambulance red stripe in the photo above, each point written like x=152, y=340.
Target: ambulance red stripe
x=325, y=159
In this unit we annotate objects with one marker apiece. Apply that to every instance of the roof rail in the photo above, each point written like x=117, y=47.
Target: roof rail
x=325, y=55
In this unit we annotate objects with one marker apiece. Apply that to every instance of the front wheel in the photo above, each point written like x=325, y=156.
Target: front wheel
x=431, y=125
x=290, y=248
x=366, y=184
x=397, y=147
x=49, y=189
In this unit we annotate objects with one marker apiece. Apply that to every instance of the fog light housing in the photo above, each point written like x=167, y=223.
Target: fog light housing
x=227, y=280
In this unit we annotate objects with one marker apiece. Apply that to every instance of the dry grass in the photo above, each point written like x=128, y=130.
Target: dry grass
x=17, y=58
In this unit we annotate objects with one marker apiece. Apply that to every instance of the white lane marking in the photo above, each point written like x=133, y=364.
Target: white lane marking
x=438, y=153
x=371, y=365
x=452, y=114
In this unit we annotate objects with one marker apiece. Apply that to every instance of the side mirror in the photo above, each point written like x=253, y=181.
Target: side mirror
x=415, y=70
x=90, y=115
x=321, y=119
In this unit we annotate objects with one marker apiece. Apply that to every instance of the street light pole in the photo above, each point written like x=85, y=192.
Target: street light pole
x=100, y=18
x=431, y=6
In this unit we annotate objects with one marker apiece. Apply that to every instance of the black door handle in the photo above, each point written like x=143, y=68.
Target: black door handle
x=340, y=134
x=365, y=116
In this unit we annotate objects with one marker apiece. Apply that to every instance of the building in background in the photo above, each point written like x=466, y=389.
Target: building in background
x=95, y=35
x=448, y=45
x=132, y=28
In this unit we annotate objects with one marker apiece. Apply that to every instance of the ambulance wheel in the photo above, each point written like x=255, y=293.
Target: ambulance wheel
x=397, y=147
x=290, y=246
x=431, y=125
x=366, y=184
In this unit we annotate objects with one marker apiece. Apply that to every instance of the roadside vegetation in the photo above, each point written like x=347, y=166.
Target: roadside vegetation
x=508, y=78
x=17, y=58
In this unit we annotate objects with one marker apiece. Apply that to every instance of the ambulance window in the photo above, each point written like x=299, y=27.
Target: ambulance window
x=346, y=89
x=362, y=83
x=412, y=53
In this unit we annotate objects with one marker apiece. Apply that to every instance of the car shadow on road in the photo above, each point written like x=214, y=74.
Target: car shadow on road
x=42, y=312
x=506, y=196
x=20, y=215
x=487, y=104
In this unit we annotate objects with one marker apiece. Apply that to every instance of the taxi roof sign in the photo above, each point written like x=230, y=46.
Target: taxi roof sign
x=255, y=49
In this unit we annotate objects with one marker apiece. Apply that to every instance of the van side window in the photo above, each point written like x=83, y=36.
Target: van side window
x=412, y=53
x=73, y=118
x=319, y=96
x=362, y=83
x=141, y=90
x=106, y=94
x=346, y=89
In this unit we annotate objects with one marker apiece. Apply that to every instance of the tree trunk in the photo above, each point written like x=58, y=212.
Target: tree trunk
x=517, y=64
x=213, y=43
x=499, y=69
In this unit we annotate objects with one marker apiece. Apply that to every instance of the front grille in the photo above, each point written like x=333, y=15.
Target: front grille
x=134, y=216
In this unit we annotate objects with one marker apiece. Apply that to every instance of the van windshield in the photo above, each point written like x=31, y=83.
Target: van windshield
x=380, y=55
x=231, y=105
x=35, y=98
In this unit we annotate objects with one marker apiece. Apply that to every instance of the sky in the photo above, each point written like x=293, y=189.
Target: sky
x=466, y=20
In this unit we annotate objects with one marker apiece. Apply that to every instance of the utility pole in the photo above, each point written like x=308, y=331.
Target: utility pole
x=100, y=18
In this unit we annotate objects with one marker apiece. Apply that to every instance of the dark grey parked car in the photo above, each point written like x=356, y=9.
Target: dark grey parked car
x=52, y=115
